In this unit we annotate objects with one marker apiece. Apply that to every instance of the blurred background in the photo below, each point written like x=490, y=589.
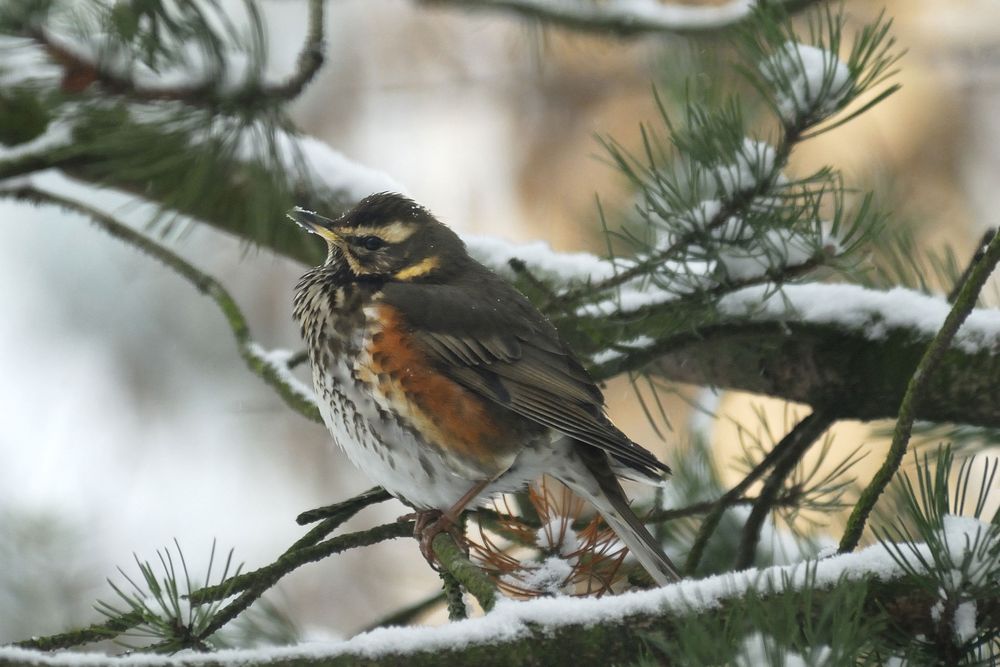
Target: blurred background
x=129, y=420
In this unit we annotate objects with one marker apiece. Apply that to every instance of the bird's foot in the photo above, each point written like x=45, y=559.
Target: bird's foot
x=428, y=524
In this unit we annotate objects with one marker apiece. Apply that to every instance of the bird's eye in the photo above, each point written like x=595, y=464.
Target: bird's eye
x=372, y=242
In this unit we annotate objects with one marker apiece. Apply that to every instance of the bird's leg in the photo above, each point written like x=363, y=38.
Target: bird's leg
x=431, y=522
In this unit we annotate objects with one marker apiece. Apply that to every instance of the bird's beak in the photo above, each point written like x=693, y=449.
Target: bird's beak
x=315, y=223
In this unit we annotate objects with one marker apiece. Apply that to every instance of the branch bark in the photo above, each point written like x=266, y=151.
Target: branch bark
x=860, y=376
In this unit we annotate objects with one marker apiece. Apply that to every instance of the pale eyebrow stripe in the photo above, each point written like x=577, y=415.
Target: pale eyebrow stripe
x=395, y=232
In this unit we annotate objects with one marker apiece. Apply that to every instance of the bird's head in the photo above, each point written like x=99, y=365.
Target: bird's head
x=388, y=237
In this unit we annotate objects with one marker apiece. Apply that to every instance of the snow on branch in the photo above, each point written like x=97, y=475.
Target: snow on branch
x=870, y=312
x=627, y=16
x=554, y=618
x=808, y=80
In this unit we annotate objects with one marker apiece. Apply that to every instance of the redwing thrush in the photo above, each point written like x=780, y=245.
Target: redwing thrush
x=445, y=385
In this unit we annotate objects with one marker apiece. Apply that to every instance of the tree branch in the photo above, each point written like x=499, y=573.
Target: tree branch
x=612, y=630
x=800, y=439
x=805, y=430
x=472, y=578
x=917, y=388
x=80, y=73
x=275, y=377
x=627, y=18
x=864, y=376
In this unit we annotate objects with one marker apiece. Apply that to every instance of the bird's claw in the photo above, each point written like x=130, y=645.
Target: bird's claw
x=427, y=525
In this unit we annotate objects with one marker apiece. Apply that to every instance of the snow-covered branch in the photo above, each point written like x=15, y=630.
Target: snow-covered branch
x=844, y=345
x=615, y=629
x=627, y=16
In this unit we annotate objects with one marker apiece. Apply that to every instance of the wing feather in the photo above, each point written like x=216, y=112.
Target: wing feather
x=486, y=336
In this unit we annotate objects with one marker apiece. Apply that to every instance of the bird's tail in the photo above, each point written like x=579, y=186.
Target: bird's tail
x=609, y=499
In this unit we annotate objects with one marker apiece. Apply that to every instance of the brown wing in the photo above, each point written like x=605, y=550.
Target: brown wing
x=488, y=337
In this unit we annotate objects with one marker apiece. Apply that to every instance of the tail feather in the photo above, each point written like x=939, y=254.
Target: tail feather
x=608, y=497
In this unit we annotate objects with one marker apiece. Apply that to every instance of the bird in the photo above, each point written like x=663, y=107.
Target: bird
x=446, y=386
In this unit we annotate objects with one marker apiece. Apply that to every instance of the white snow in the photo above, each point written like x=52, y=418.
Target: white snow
x=642, y=14
x=752, y=163
x=627, y=299
x=58, y=133
x=965, y=621
x=549, y=577
x=22, y=62
x=511, y=620
x=558, y=534
x=541, y=259
x=962, y=535
x=758, y=650
x=631, y=345
x=872, y=312
x=278, y=361
x=808, y=79
x=777, y=249
x=332, y=168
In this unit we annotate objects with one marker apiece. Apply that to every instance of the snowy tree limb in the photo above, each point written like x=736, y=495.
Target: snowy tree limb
x=616, y=629
x=842, y=364
x=628, y=18
x=81, y=72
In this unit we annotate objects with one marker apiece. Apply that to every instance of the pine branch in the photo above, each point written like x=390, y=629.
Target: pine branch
x=346, y=508
x=452, y=591
x=896, y=608
x=310, y=58
x=94, y=633
x=205, y=94
x=457, y=564
x=977, y=256
x=254, y=584
x=204, y=283
x=816, y=361
x=632, y=18
x=804, y=434
x=916, y=390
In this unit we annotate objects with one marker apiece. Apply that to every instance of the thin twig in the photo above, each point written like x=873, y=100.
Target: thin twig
x=293, y=559
x=310, y=58
x=203, y=282
x=30, y=163
x=520, y=267
x=453, y=559
x=350, y=506
x=337, y=515
x=976, y=256
x=915, y=389
x=94, y=633
x=733, y=206
x=452, y=590
x=807, y=432
x=711, y=521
